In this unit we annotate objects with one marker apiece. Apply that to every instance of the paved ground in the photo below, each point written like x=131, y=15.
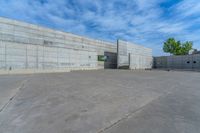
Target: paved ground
x=104, y=101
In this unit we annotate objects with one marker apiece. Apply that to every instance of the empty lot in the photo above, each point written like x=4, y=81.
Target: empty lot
x=103, y=101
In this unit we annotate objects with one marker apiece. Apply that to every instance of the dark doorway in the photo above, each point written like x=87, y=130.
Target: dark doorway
x=111, y=60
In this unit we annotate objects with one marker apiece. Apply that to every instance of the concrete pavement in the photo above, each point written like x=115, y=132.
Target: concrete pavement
x=110, y=101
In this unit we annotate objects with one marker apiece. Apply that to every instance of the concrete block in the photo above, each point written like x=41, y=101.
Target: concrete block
x=7, y=37
x=21, y=24
x=33, y=27
x=6, y=20
x=6, y=26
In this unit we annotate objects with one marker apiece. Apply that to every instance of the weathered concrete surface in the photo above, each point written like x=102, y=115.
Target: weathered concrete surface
x=27, y=46
x=177, y=112
x=187, y=62
x=105, y=101
x=133, y=56
x=9, y=86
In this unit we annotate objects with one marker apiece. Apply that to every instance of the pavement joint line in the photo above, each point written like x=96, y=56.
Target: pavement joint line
x=18, y=90
x=127, y=116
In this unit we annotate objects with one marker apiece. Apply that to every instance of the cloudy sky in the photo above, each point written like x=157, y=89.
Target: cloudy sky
x=145, y=22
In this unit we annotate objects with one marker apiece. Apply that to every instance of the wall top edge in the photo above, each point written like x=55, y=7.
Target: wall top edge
x=177, y=55
x=29, y=25
x=130, y=43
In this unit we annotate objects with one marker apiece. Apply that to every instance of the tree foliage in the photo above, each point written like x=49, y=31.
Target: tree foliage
x=176, y=47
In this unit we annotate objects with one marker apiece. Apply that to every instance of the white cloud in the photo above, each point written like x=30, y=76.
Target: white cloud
x=140, y=21
x=188, y=7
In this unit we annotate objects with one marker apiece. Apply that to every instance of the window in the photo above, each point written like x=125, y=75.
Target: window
x=188, y=62
x=102, y=58
x=47, y=43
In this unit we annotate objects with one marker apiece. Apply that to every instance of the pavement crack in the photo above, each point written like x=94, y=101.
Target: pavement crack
x=12, y=98
x=127, y=116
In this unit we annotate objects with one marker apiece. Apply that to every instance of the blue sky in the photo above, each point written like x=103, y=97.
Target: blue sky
x=145, y=22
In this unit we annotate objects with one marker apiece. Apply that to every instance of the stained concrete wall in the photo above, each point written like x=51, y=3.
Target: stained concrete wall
x=133, y=56
x=28, y=46
x=27, y=56
x=178, y=62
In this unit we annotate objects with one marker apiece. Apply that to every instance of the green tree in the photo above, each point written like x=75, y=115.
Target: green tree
x=186, y=47
x=176, y=47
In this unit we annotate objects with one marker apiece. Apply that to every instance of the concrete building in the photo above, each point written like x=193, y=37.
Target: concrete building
x=190, y=62
x=25, y=46
x=193, y=51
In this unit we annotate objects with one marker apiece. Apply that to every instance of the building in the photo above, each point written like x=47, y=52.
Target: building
x=189, y=62
x=194, y=51
x=25, y=46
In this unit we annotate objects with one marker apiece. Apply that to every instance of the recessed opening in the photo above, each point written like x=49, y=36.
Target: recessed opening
x=188, y=62
x=194, y=62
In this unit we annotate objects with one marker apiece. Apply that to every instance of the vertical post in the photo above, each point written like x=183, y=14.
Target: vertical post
x=43, y=57
x=36, y=56
x=192, y=61
x=5, y=57
x=57, y=57
x=26, y=57
x=117, y=53
x=129, y=61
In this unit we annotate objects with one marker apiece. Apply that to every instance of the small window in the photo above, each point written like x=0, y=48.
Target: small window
x=102, y=58
x=47, y=43
x=194, y=62
x=89, y=57
x=188, y=62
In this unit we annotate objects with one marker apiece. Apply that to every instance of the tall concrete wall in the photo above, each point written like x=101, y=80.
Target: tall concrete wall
x=133, y=56
x=23, y=56
x=178, y=62
x=27, y=46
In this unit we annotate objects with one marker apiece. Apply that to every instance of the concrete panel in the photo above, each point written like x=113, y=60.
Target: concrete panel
x=170, y=62
x=178, y=62
x=133, y=61
x=7, y=37
x=6, y=26
x=133, y=56
x=196, y=61
x=187, y=62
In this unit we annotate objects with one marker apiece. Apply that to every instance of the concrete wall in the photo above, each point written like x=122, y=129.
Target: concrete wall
x=27, y=56
x=27, y=46
x=30, y=47
x=178, y=62
x=133, y=56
